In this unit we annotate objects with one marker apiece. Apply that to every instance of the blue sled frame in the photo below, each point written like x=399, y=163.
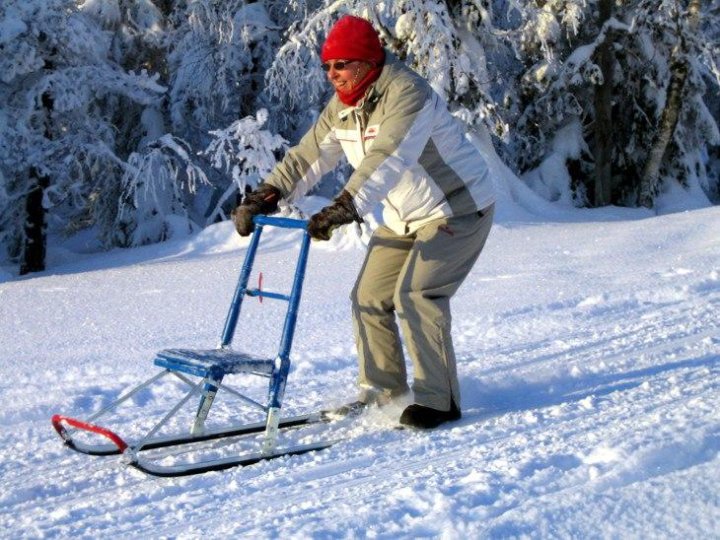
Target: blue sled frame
x=211, y=366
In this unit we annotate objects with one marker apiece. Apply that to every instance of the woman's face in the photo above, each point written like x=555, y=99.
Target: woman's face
x=344, y=75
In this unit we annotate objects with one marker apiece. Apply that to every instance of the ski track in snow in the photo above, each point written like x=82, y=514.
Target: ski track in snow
x=590, y=372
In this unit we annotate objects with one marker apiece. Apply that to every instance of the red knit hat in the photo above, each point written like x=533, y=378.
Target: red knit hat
x=353, y=38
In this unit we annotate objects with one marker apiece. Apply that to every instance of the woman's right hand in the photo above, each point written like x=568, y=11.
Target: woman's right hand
x=264, y=200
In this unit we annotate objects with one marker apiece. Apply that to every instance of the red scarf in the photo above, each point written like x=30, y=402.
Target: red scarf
x=352, y=97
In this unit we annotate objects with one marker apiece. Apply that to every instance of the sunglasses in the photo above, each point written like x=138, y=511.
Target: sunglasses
x=338, y=66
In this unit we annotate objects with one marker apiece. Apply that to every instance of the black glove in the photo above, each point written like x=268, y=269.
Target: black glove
x=342, y=211
x=264, y=200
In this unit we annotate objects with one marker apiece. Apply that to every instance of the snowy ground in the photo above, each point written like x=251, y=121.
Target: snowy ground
x=589, y=357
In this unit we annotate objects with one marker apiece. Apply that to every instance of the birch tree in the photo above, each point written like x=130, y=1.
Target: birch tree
x=686, y=26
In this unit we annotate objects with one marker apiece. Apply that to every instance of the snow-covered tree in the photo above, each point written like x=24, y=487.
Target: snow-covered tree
x=141, y=118
x=558, y=44
x=217, y=59
x=604, y=71
x=685, y=126
x=245, y=151
x=156, y=199
x=59, y=94
x=137, y=30
x=710, y=31
x=216, y=56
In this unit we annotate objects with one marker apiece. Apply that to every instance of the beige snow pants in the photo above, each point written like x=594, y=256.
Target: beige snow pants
x=413, y=277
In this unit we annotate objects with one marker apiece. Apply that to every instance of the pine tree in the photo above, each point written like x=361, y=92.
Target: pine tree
x=59, y=89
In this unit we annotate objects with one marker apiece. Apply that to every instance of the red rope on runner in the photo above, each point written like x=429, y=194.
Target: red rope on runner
x=58, y=419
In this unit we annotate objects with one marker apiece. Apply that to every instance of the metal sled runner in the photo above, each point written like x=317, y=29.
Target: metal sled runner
x=203, y=371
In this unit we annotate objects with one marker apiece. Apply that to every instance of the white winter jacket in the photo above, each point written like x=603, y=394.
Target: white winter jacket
x=408, y=153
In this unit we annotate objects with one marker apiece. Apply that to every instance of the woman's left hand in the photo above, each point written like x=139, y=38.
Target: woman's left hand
x=342, y=211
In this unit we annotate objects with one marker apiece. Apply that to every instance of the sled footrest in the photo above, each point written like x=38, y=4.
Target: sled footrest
x=213, y=363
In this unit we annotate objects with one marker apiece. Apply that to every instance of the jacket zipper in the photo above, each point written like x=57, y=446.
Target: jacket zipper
x=359, y=117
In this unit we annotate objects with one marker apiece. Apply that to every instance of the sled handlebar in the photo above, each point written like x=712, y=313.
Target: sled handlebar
x=285, y=223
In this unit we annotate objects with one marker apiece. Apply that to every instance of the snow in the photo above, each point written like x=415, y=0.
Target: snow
x=588, y=351
x=10, y=28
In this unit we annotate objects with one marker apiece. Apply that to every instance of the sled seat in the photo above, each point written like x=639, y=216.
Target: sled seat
x=213, y=363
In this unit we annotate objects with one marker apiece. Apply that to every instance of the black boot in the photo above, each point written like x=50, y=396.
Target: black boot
x=421, y=417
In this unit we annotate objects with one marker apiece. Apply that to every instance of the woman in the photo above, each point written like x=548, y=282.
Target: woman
x=411, y=155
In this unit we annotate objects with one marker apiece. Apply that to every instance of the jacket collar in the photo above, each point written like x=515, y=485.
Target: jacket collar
x=376, y=89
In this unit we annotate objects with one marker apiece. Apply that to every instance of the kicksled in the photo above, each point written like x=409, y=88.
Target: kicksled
x=205, y=374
